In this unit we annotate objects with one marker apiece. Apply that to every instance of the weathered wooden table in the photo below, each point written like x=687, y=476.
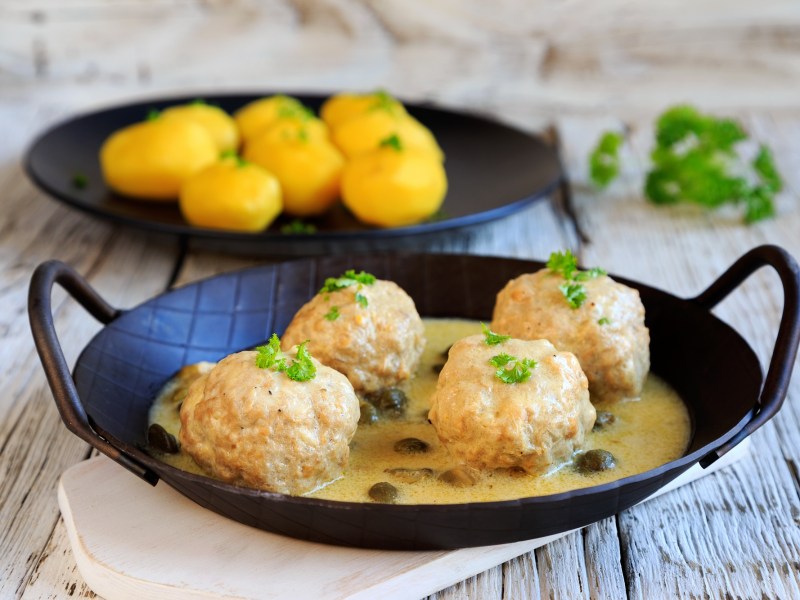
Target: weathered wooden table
x=735, y=534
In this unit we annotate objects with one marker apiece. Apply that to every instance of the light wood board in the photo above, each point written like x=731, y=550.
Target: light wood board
x=132, y=541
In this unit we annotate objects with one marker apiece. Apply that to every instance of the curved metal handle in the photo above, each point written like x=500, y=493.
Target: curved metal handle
x=783, y=354
x=55, y=366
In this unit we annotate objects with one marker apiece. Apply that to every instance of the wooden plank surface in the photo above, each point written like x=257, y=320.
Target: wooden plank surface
x=583, y=66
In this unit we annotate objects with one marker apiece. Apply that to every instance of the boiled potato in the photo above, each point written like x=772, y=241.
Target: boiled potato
x=364, y=133
x=394, y=185
x=216, y=121
x=152, y=159
x=253, y=118
x=300, y=128
x=342, y=107
x=231, y=194
x=309, y=171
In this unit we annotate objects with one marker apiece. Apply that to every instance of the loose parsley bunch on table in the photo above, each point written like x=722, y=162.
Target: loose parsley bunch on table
x=695, y=159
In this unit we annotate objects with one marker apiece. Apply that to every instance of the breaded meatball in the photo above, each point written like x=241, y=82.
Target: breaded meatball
x=486, y=423
x=259, y=428
x=376, y=340
x=607, y=332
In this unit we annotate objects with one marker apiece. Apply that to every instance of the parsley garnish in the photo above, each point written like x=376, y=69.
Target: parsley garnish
x=492, y=338
x=350, y=277
x=393, y=142
x=333, y=313
x=302, y=369
x=603, y=321
x=80, y=181
x=695, y=159
x=604, y=159
x=153, y=114
x=226, y=154
x=362, y=300
x=270, y=357
x=384, y=101
x=566, y=264
x=511, y=369
x=299, y=226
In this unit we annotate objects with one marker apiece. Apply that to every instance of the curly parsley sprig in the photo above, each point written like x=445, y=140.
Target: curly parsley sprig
x=604, y=159
x=492, y=338
x=511, y=369
x=566, y=264
x=270, y=356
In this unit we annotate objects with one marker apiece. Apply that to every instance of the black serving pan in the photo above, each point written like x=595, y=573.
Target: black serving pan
x=105, y=402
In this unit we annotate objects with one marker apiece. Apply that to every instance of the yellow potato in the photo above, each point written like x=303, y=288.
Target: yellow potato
x=152, y=159
x=219, y=124
x=364, y=134
x=231, y=194
x=298, y=128
x=393, y=186
x=309, y=172
x=255, y=117
x=342, y=107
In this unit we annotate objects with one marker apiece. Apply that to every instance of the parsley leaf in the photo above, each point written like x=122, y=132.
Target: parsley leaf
x=592, y=273
x=153, y=114
x=350, y=277
x=270, y=356
x=604, y=159
x=764, y=166
x=302, y=368
x=333, y=313
x=575, y=294
x=492, y=338
x=361, y=299
x=226, y=154
x=393, y=142
x=511, y=369
x=604, y=321
x=299, y=226
x=80, y=181
x=563, y=262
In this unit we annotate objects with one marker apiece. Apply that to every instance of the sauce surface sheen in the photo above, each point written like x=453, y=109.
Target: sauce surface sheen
x=647, y=432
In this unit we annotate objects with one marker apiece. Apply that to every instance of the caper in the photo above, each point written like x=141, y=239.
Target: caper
x=458, y=477
x=391, y=402
x=411, y=446
x=383, y=491
x=369, y=414
x=410, y=475
x=161, y=440
x=603, y=420
x=593, y=461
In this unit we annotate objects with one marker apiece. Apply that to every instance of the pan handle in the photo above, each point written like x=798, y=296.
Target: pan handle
x=783, y=354
x=55, y=365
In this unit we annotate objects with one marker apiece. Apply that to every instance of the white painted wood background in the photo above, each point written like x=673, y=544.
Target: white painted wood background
x=578, y=65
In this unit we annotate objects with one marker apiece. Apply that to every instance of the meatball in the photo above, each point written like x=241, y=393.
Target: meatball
x=487, y=423
x=371, y=333
x=607, y=332
x=259, y=428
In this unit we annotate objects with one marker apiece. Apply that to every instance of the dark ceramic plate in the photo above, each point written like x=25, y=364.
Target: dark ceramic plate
x=493, y=171
x=120, y=371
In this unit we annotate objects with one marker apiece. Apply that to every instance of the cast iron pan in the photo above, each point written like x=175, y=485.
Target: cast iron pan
x=493, y=171
x=120, y=371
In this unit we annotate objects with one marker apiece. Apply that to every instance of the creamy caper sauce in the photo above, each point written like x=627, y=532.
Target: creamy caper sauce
x=644, y=433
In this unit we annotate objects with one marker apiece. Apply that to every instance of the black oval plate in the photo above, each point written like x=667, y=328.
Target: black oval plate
x=493, y=170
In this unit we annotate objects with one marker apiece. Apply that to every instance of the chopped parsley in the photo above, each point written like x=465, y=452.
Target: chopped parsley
x=361, y=299
x=393, y=142
x=350, y=277
x=80, y=181
x=566, y=264
x=153, y=114
x=604, y=321
x=604, y=159
x=511, y=369
x=270, y=356
x=492, y=338
x=299, y=226
x=226, y=154
x=333, y=314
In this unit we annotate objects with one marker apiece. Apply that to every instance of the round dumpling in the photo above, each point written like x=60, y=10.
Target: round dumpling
x=532, y=423
x=258, y=428
x=369, y=330
x=606, y=331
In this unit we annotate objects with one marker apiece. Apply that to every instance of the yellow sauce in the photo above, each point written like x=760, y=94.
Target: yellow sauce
x=646, y=433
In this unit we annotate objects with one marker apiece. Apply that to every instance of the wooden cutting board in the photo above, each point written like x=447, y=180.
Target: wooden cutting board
x=133, y=541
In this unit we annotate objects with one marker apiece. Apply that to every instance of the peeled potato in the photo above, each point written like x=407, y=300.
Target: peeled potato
x=253, y=118
x=219, y=124
x=294, y=128
x=309, y=172
x=365, y=132
x=393, y=187
x=152, y=159
x=231, y=195
x=342, y=107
